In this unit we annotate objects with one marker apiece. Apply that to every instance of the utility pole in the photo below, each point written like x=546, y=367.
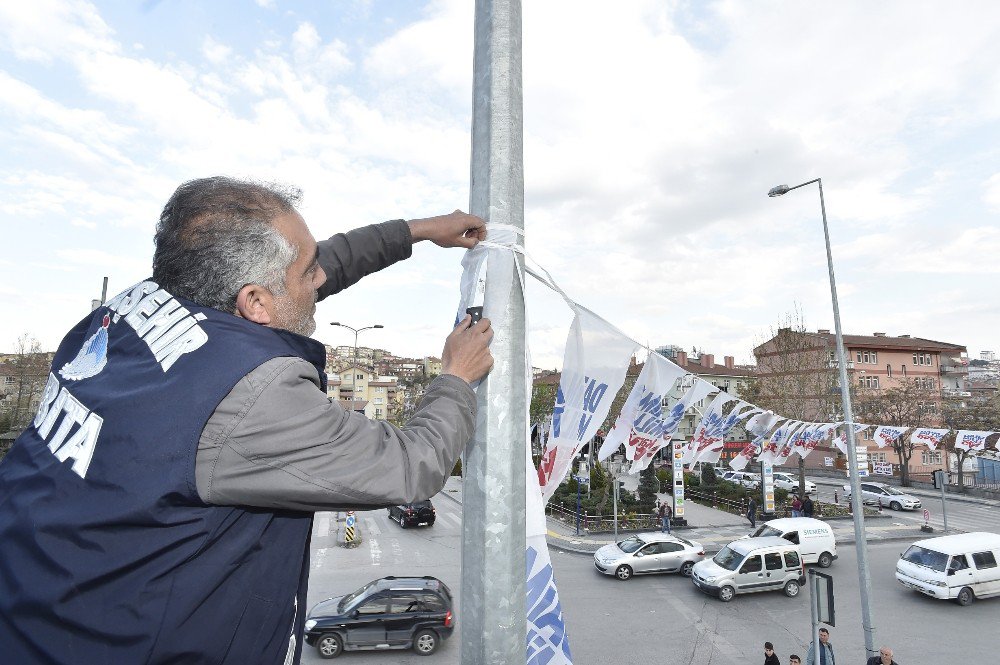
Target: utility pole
x=493, y=626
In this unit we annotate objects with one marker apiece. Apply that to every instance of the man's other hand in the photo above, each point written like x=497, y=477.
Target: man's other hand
x=467, y=350
x=456, y=229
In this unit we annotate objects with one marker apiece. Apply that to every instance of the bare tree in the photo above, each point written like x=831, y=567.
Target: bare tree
x=903, y=405
x=795, y=377
x=23, y=378
x=982, y=415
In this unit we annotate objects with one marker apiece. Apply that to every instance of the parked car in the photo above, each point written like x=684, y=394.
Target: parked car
x=413, y=514
x=787, y=481
x=388, y=613
x=751, y=565
x=885, y=496
x=963, y=567
x=814, y=538
x=647, y=553
x=746, y=479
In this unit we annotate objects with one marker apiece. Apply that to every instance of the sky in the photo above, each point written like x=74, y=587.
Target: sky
x=652, y=134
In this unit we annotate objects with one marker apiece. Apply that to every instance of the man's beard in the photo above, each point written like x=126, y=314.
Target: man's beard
x=299, y=321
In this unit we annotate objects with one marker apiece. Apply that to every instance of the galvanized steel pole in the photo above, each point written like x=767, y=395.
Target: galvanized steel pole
x=492, y=619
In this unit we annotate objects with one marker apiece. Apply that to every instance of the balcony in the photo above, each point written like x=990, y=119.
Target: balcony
x=954, y=369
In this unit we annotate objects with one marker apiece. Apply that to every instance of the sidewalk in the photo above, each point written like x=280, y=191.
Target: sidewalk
x=826, y=481
x=712, y=528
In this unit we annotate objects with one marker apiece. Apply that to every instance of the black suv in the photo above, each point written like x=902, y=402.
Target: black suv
x=413, y=514
x=389, y=613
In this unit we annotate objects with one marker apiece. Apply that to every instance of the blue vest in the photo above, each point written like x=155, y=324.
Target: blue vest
x=107, y=554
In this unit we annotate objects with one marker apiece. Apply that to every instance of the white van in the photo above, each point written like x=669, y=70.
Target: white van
x=814, y=538
x=750, y=565
x=963, y=566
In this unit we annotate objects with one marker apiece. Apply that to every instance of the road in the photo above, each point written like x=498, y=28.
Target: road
x=663, y=619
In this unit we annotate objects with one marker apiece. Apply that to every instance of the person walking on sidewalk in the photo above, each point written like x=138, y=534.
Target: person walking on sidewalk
x=884, y=657
x=825, y=650
x=769, y=656
x=752, y=513
x=796, y=506
x=665, y=514
x=807, y=507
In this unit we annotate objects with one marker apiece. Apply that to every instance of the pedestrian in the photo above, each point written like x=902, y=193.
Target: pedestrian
x=796, y=506
x=884, y=657
x=836, y=497
x=667, y=515
x=752, y=513
x=770, y=658
x=160, y=505
x=825, y=651
x=794, y=660
x=807, y=507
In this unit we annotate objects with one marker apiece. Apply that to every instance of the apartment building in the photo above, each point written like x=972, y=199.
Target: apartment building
x=357, y=388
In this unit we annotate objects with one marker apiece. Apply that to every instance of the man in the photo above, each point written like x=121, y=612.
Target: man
x=666, y=512
x=825, y=651
x=794, y=660
x=807, y=507
x=159, y=508
x=769, y=656
x=884, y=657
x=752, y=513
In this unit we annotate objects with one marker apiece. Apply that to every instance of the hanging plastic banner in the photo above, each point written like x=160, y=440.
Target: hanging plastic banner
x=927, y=436
x=640, y=424
x=672, y=420
x=816, y=436
x=970, y=440
x=594, y=365
x=841, y=439
x=707, y=431
x=710, y=448
x=759, y=426
x=887, y=435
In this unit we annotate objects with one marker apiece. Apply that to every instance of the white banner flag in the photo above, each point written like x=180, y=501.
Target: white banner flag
x=697, y=392
x=640, y=424
x=707, y=431
x=594, y=365
x=759, y=426
x=710, y=449
x=887, y=435
x=816, y=437
x=970, y=440
x=927, y=436
x=785, y=451
x=779, y=437
x=841, y=439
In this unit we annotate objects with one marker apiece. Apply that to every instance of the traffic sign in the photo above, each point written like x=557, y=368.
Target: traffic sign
x=927, y=515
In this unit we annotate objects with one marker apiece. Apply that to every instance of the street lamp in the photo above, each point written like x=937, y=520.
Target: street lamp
x=857, y=505
x=354, y=395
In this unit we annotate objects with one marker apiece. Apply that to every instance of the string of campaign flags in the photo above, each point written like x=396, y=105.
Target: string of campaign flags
x=595, y=362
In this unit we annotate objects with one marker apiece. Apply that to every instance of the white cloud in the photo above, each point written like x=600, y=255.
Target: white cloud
x=991, y=192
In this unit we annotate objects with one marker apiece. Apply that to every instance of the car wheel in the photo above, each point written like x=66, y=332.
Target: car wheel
x=425, y=642
x=791, y=588
x=726, y=593
x=402, y=522
x=895, y=505
x=825, y=560
x=329, y=645
x=686, y=568
x=965, y=597
x=431, y=523
x=623, y=572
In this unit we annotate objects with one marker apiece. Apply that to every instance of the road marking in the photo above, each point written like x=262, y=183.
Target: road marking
x=375, y=551
x=372, y=526
x=320, y=556
x=321, y=527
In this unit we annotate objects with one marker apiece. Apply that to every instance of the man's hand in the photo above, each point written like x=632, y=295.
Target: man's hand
x=467, y=350
x=456, y=229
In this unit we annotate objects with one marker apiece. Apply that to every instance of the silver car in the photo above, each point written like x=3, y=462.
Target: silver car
x=647, y=553
x=885, y=496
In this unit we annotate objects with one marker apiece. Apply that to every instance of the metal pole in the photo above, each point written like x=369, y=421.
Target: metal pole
x=814, y=612
x=616, y=506
x=857, y=506
x=493, y=597
x=944, y=508
x=578, y=507
x=104, y=291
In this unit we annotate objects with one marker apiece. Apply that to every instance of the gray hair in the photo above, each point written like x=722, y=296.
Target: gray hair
x=215, y=236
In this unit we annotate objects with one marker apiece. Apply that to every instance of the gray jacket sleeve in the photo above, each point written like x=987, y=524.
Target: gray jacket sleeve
x=347, y=257
x=277, y=441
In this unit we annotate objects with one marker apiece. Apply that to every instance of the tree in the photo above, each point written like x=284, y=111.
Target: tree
x=982, y=415
x=795, y=377
x=903, y=405
x=24, y=374
x=648, y=484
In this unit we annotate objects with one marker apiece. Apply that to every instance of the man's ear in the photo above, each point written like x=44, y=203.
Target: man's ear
x=255, y=303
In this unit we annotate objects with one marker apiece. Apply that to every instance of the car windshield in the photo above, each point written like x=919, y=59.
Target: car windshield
x=351, y=597
x=630, y=545
x=765, y=531
x=728, y=559
x=926, y=558
x=893, y=490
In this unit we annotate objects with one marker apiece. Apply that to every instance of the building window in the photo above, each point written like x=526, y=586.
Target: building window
x=888, y=370
x=904, y=370
x=868, y=381
x=378, y=413
x=931, y=457
x=867, y=357
x=378, y=400
x=922, y=359
x=878, y=457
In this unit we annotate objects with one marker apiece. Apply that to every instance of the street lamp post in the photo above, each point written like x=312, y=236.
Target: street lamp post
x=356, y=331
x=857, y=505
